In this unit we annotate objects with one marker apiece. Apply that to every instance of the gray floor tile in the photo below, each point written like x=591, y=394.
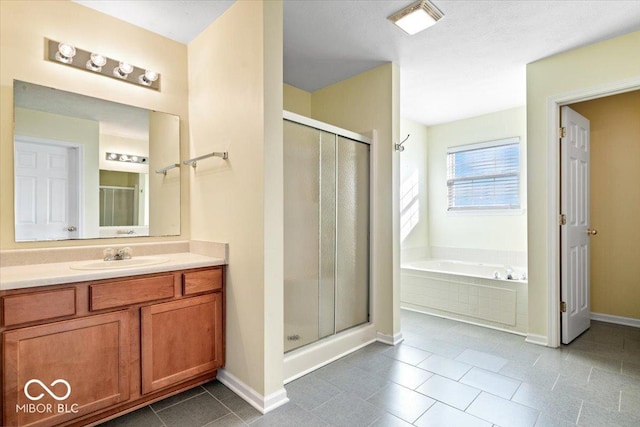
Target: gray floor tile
x=242, y=409
x=491, y=382
x=219, y=390
x=595, y=360
x=388, y=420
x=229, y=420
x=557, y=405
x=545, y=420
x=589, y=393
x=446, y=367
x=180, y=397
x=630, y=403
x=438, y=346
x=351, y=379
x=404, y=374
x=194, y=412
x=368, y=361
x=143, y=417
x=401, y=402
x=289, y=415
x=311, y=391
x=596, y=416
x=448, y=391
x=502, y=412
x=348, y=410
x=631, y=369
x=441, y=415
x=407, y=354
x=482, y=360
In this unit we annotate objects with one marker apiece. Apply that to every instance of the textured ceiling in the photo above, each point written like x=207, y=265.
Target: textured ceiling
x=471, y=62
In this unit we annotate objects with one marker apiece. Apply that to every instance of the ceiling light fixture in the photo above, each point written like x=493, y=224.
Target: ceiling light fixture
x=129, y=158
x=416, y=17
x=64, y=53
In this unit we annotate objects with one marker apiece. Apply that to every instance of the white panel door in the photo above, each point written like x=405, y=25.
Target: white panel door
x=46, y=197
x=574, y=203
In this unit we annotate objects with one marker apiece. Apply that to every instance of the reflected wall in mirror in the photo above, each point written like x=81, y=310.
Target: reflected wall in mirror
x=68, y=186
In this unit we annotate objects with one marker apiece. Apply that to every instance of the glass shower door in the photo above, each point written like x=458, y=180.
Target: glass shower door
x=326, y=234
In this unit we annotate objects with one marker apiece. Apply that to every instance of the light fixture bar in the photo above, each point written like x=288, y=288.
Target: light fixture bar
x=94, y=62
x=416, y=17
x=128, y=158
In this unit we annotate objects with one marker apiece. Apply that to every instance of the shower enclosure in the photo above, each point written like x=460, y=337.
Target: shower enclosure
x=326, y=230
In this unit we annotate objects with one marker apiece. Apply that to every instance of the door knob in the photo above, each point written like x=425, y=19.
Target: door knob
x=71, y=228
x=592, y=231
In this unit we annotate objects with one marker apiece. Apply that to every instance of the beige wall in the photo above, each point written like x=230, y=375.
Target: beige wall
x=413, y=186
x=23, y=28
x=590, y=67
x=362, y=103
x=490, y=231
x=297, y=100
x=235, y=104
x=615, y=202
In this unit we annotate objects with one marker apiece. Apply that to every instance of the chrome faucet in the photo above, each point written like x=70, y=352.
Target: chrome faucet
x=111, y=254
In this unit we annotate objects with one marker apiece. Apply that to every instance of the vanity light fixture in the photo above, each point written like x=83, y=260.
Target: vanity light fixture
x=129, y=158
x=416, y=17
x=65, y=53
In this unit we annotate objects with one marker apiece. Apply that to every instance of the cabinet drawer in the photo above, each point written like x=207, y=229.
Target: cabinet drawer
x=130, y=291
x=23, y=308
x=202, y=281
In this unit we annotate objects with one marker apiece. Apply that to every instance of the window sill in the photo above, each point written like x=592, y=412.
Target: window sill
x=487, y=212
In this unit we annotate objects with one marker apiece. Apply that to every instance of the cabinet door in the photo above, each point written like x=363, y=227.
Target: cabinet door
x=59, y=371
x=180, y=340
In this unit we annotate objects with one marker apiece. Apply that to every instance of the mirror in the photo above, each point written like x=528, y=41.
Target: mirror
x=86, y=168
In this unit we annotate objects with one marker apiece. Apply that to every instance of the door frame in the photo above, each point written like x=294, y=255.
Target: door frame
x=554, y=103
x=79, y=171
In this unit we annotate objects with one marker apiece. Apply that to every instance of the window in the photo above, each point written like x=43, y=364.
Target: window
x=484, y=176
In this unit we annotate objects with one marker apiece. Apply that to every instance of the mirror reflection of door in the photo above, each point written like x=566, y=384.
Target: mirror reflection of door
x=44, y=169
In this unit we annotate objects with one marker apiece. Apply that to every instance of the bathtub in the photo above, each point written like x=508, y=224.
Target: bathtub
x=472, y=292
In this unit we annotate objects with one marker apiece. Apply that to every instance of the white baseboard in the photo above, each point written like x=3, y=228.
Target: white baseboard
x=262, y=403
x=618, y=320
x=390, y=339
x=537, y=339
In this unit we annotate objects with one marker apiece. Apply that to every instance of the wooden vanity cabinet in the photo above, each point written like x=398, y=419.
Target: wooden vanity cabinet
x=114, y=355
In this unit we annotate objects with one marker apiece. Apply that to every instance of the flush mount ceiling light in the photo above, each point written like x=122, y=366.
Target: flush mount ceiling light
x=129, y=158
x=416, y=17
x=64, y=53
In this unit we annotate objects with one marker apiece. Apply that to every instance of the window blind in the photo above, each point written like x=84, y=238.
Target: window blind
x=484, y=176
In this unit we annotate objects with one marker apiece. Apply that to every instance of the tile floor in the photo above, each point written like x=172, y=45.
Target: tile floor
x=445, y=373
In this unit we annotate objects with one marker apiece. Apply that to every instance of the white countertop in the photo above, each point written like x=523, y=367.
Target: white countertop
x=28, y=276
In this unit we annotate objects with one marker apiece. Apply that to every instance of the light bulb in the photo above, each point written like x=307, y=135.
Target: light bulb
x=123, y=70
x=148, y=77
x=96, y=62
x=65, y=53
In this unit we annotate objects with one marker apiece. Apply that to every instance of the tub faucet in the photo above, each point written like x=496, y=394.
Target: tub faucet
x=509, y=272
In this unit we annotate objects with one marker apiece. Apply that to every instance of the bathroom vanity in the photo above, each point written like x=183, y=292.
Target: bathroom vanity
x=79, y=352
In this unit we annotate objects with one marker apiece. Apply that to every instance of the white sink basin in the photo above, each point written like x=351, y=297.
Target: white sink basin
x=114, y=265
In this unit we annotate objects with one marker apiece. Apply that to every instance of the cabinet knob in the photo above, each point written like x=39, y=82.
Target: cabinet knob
x=592, y=231
x=71, y=228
